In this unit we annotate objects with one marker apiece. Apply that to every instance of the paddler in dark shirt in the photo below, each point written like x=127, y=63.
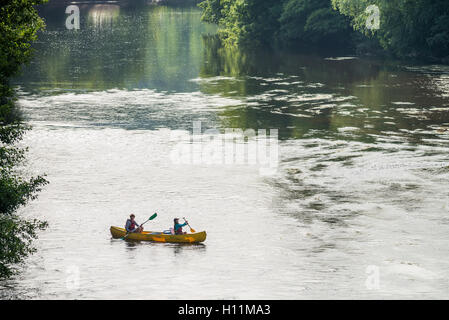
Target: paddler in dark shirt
x=132, y=225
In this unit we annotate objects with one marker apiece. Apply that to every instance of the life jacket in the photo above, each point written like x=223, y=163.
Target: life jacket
x=178, y=231
x=132, y=226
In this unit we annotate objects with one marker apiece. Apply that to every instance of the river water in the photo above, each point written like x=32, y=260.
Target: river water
x=355, y=206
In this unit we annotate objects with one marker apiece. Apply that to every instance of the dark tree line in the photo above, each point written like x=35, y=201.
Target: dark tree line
x=417, y=29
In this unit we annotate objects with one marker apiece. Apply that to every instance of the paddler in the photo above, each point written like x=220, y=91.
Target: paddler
x=178, y=226
x=132, y=225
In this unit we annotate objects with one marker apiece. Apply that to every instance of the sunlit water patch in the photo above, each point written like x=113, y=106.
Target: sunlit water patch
x=136, y=109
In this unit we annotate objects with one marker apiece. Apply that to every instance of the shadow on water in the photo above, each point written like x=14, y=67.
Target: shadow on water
x=177, y=247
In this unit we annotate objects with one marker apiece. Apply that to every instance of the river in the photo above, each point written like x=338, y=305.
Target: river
x=355, y=204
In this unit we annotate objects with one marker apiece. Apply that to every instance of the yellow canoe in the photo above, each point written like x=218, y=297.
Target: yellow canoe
x=159, y=236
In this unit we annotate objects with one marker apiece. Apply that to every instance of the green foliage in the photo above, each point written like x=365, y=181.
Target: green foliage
x=19, y=23
x=313, y=22
x=408, y=28
x=277, y=21
x=16, y=236
x=244, y=21
x=211, y=11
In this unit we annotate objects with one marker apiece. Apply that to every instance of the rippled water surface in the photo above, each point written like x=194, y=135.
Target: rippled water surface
x=361, y=189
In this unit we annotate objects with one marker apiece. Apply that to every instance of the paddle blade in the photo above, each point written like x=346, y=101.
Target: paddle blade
x=124, y=237
x=153, y=216
x=191, y=229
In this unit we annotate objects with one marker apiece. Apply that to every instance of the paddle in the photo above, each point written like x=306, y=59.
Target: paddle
x=191, y=229
x=150, y=218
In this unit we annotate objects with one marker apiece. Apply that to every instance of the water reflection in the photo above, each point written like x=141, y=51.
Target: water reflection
x=180, y=248
x=302, y=94
x=103, y=15
x=132, y=244
x=153, y=47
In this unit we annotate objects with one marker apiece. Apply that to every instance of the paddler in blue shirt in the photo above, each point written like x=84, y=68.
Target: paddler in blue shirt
x=178, y=226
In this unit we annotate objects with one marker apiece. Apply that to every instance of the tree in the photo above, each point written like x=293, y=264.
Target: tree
x=211, y=11
x=244, y=22
x=408, y=28
x=313, y=22
x=19, y=23
x=288, y=22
